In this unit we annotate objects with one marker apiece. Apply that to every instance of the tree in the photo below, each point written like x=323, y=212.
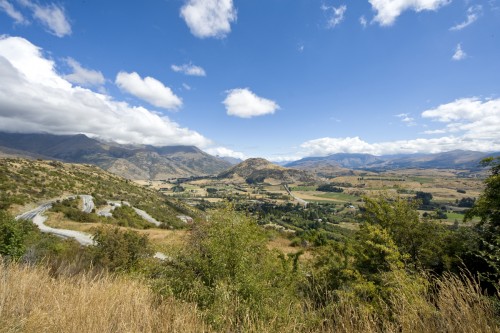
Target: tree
x=424, y=197
x=487, y=208
x=226, y=267
x=421, y=242
x=466, y=202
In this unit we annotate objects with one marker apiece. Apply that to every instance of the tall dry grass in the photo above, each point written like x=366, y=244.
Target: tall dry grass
x=32, y=300
x=450, y=304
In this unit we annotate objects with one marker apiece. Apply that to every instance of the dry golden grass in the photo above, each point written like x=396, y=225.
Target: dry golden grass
x=457, y=307
x=282, y=245
x=57, y=220
x=33, y=301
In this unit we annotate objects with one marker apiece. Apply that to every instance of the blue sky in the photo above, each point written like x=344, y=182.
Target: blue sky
x=276, y=79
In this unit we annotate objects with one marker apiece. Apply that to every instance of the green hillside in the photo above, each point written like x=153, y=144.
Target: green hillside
x=24, y=182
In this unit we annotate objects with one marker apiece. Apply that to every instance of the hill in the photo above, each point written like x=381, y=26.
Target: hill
x=259, y=170
x=132, y=162
x=25, y=183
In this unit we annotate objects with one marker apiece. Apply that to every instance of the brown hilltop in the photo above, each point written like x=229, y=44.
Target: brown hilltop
x=259, y=170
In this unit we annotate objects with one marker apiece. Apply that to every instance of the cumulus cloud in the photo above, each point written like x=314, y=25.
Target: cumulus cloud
x=189, y=69
x=388, y=10
x=209, y=18
x=9, y=9
x=327, y=146
x=148, y=89
x=52, y=16
x=473, y=14
x=336, y=15
x=459, y=53
x=477, y=119
x=225, y=152
x=244, y=103
x=34, y=98
x=470, y=123
x=83, y=76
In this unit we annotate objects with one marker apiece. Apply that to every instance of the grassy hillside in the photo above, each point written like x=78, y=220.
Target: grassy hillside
x=24, y=182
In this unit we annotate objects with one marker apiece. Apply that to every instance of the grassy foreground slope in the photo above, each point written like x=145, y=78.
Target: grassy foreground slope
x=31, y=300
x=24, y=182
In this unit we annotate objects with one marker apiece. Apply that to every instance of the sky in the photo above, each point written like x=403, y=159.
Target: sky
x=279, y=79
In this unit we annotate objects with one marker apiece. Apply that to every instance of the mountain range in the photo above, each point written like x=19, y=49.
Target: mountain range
x=456, y=159
x=133, y=162
x=153, y=163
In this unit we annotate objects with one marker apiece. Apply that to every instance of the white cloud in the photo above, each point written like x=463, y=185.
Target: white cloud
x=83, y=76
x=51, y=16
x=186, y=86
x=336, y=15
x=149, y=89
x=225, y=152
x=473, y=13
x=363, y=21
x=189, y=69
x=475, y=118
x=209, y=18
x=9, y=9
x=459, y=53
x=327, y=146
x=389, y=10
x=34, y=98
x=405, y=118
x=245, y=104
x=471, y=123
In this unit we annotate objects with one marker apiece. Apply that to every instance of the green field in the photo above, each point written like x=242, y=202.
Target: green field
x=338, y=196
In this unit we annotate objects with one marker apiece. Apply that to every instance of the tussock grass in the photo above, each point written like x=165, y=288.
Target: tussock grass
x=451, y=304
x=31, y=300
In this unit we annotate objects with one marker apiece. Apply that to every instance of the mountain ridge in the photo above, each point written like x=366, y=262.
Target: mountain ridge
x=133, y=162
x=455, y=159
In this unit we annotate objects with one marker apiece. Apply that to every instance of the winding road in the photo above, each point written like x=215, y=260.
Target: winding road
x=36, y=215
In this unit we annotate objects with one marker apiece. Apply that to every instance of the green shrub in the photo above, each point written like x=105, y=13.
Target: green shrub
x=119, y=250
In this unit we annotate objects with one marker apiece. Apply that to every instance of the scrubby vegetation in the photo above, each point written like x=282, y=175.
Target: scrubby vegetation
x=395, y=272
x=25, y=181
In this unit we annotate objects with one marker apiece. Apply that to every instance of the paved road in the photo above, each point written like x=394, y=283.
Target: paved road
x=147, y=217
x=107, y=211
x=300, y=200
x=36, y=215
x=88, y=203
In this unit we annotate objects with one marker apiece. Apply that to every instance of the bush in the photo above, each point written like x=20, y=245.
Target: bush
x=119, y=250
x=13, y=235
x=228, y=271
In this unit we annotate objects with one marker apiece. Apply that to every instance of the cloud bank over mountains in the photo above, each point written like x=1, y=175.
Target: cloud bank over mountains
x=35, y=98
